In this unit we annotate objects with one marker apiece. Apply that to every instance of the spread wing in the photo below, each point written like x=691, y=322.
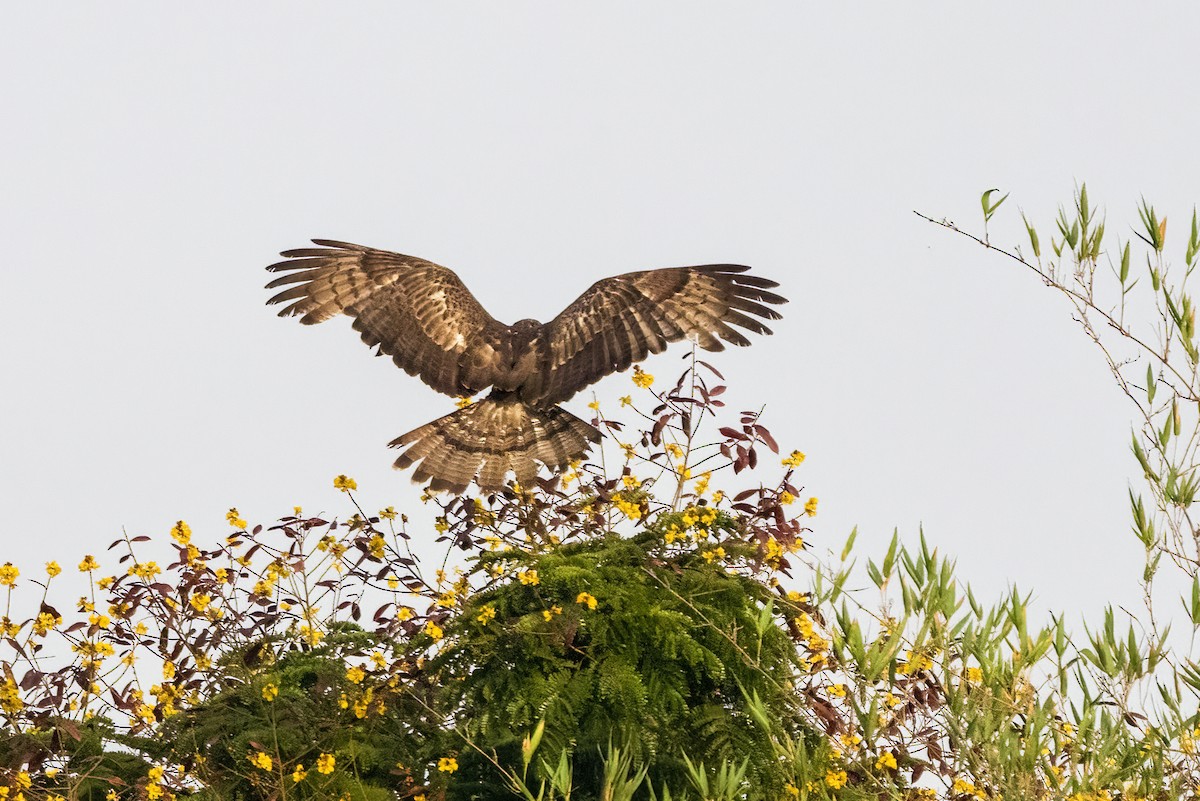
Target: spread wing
x=621, y=320
x=419, y=313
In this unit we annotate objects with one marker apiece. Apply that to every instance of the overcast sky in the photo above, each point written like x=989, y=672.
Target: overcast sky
x=153, y=162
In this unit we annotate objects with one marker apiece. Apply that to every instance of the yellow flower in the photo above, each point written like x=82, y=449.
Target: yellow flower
x=974, y=675
x=586, y=599
x=594, y=406
x=964, y=787
x=356, y=674
x=642, y=378
x=447, y=764
x=326, y=763
x=181, y=532
x=88, y=564
x=8, y=574
x=628, y=508
x=311, y=635
x=835, y=778
x=270, y=692
x=388, y=513
x=145, y=570
x=345, y=483
x=464, y=402
x=200, y=602
x=261, y=760
x=529, y=577
x=10, y=697
x=44, y=623
x=794, y=460
x=52, y=569
x=486, y=615
x=810, y=507
x=376, y=546
x=886, y=760
x=434, y=630
x=838, y=690
x=626, y=400
x=549, y=614
x=298, y=774
x=235, y=519
x=786, y=498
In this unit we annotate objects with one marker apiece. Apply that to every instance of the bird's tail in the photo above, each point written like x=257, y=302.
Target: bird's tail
x=490, y=439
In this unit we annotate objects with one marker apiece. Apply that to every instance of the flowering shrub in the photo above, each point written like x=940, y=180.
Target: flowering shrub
x=653, y=623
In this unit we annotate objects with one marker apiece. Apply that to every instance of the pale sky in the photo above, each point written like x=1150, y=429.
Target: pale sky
x=154, y=161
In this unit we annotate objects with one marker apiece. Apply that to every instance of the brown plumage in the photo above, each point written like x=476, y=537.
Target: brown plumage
x=426, y=319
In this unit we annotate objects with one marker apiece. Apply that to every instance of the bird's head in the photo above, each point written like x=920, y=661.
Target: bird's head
x=526, y=327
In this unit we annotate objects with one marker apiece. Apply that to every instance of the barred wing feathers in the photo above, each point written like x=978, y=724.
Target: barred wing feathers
x=621, y=320
x=419, y=313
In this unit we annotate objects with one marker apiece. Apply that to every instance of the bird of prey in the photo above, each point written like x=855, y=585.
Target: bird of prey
x=424, y=317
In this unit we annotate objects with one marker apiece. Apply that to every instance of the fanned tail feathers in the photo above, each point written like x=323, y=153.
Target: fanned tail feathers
x=490, y=439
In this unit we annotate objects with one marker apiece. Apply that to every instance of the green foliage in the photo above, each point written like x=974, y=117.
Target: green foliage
x=660, y=665
x=296, y=707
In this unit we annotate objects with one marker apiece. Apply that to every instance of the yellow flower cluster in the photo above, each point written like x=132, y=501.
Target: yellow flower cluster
x=145, y=570
x=8, y=574
x=916, y=662
x=836, y=779
x=181, y=532
x=810, y=507
x=529, y=578
x=44, y=622
x=586, y=599
x=817, y=645
x=447, y=764
x=326, y=763
x=641, y=378
x=486, y=615
x=631, y=509
x=234, y=518
x=344, y=483
x=964, y=787
x=550, y=613
x=10, y=697
x=261, y=760
x=794, y=460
